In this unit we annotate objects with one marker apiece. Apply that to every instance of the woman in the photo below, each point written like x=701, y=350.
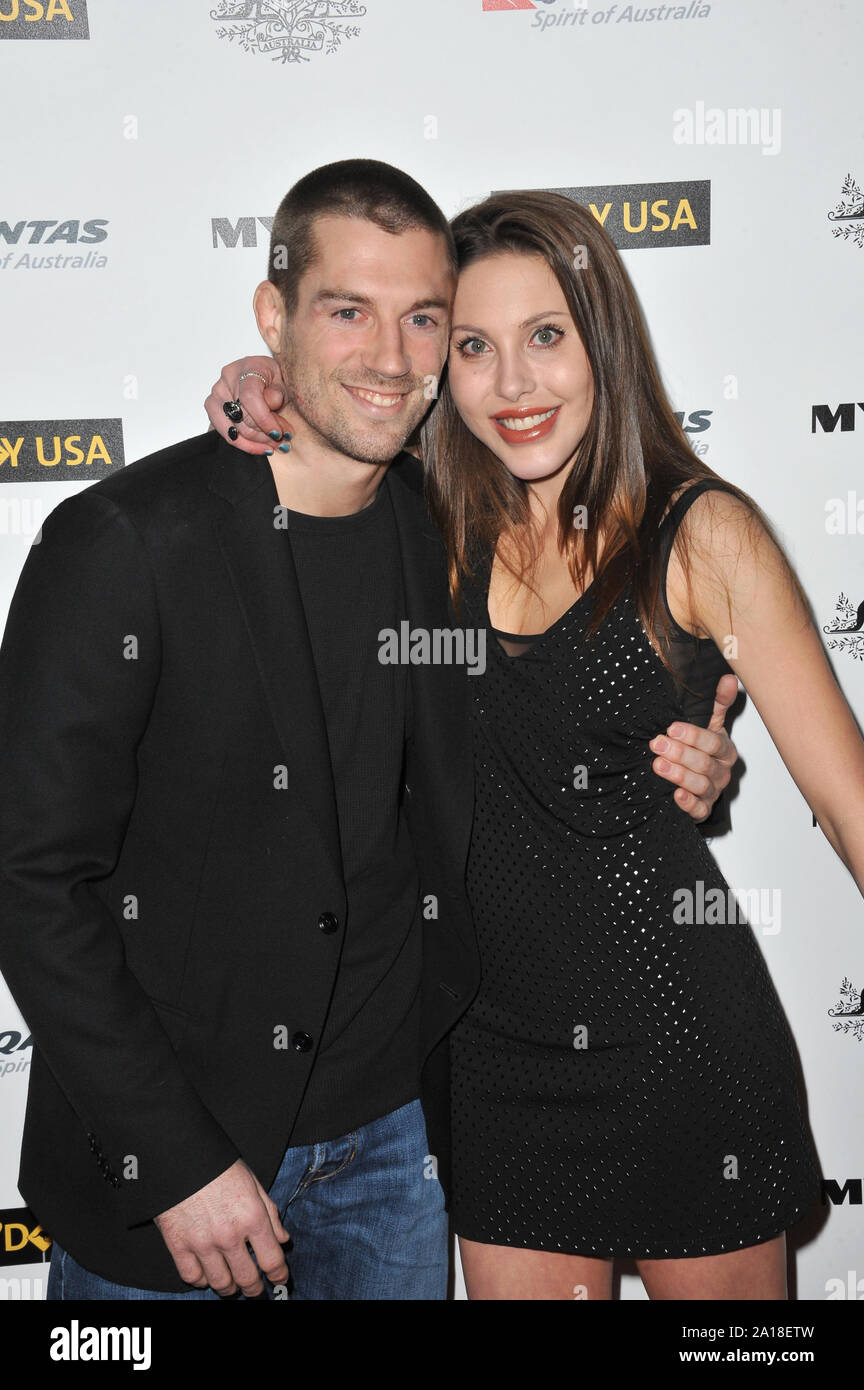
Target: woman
x=624, y=1082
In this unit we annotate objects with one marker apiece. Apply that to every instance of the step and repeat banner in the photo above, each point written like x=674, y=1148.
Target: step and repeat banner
x=146, y=146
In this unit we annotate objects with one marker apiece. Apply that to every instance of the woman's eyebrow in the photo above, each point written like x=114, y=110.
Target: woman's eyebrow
x=546, y=313
x=526, y=323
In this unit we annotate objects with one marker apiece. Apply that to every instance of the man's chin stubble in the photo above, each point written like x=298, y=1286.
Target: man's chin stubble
x=372, y=450
x=364, y=450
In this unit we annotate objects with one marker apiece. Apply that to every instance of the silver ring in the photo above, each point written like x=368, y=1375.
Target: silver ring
x=244, y=375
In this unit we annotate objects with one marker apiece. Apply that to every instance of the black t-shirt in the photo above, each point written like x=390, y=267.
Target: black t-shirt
x=350, y=576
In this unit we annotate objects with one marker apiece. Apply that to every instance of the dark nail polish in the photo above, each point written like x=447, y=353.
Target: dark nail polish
x=274, y=434
x=287, y=435
x=232, y=432
x=268, y=453
x=285, y=448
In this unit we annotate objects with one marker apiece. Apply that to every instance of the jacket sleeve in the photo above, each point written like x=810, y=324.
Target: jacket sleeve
x=79, y=666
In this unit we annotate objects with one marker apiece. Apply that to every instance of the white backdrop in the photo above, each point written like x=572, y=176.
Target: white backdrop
x=150, y=120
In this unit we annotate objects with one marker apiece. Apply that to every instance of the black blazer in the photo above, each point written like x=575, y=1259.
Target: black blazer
x=160, y=885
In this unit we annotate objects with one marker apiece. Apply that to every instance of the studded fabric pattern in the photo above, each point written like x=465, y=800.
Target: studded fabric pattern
x=623, y=1084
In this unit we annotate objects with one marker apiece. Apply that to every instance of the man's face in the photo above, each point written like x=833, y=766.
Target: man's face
x=363, y=351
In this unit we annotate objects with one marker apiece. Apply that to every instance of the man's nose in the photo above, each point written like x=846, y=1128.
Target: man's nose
x=386, y=353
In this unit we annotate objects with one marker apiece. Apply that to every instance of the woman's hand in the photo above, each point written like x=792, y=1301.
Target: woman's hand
x=261, y=429
x=699, y=760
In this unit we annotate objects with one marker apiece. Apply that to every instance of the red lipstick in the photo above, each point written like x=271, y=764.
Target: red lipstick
x=543, y=416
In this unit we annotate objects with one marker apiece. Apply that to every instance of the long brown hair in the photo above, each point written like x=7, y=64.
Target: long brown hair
x=634, y=455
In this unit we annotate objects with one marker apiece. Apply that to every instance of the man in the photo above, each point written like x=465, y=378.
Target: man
x=233, y=845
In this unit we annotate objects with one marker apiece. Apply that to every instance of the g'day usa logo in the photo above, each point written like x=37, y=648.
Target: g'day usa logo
x=44, y=19
x=60, y=451
x=649, y=214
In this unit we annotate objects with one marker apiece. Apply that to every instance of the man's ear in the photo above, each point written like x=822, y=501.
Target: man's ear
x=269, y=309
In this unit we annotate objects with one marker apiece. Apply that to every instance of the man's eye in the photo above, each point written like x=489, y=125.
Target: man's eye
x=415, y=319
x=340, y=312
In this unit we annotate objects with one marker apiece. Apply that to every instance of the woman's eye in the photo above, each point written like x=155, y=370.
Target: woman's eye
x=547, y=335
x=470, y=344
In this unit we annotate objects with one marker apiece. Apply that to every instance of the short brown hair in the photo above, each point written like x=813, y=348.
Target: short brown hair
x=363, y=188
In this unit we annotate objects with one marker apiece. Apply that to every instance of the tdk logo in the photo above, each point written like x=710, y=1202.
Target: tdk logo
x=43, y=19
x=73, y=232
x=243, y=232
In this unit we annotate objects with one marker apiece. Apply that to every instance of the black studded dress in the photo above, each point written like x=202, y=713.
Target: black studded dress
x=624, y=1082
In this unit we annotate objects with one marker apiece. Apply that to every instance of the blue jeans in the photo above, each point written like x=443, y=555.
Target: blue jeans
x=366, y=1218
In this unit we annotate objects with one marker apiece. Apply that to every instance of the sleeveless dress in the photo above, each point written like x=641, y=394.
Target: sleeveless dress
x=624, y=1082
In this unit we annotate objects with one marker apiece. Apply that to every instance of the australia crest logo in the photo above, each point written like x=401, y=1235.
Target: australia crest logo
x=850, y=1010
x=847, y=629
x=848, y=216
x=291, y=31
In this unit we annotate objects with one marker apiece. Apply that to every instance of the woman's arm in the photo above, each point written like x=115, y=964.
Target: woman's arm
x=744, y=595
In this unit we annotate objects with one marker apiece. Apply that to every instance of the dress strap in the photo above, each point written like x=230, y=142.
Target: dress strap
x=686, y=499
x=668, y=527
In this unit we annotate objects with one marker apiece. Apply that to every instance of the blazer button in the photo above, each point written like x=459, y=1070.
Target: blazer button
x=301, y=1042
x=328, y=922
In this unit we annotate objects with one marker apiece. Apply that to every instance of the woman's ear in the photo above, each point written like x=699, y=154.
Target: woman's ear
x=270, y=313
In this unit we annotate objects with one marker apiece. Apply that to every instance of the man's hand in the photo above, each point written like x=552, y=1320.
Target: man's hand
x=260, y=429
x=699, y=760
x=206, y=1234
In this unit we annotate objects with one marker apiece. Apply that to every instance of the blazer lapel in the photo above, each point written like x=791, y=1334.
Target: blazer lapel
x=258, y=556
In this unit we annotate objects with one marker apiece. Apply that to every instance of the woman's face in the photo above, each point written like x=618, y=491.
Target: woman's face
x=518, y=372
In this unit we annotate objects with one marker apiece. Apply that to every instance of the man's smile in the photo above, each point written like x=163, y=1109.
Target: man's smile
x=378, y=403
